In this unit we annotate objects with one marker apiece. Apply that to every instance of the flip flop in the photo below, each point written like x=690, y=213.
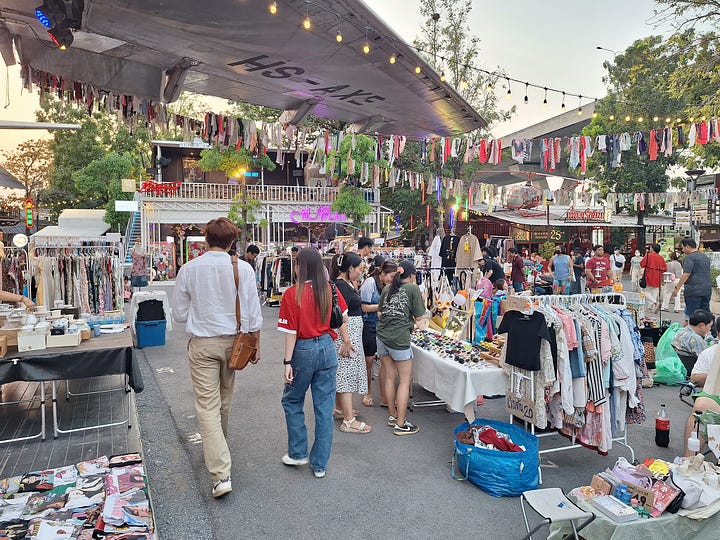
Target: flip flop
x=338, y=414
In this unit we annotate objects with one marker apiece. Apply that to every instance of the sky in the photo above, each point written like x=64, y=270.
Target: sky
x=550, y=43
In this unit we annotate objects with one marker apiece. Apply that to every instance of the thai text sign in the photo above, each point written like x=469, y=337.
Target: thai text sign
x=589, y=214
x=522, y=408
x=555, y=234
x=322, y=214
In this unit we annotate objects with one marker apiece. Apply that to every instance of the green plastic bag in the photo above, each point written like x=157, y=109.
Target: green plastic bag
x=669, y=369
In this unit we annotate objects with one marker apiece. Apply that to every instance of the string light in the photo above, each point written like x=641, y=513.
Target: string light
x=338, y=36
x=655, y=118
x=594, y=115
x=526, y=96
x=442, y=77
x=366, y=48
x=667, y=120
x=580, y=111
x=640, y=118
x=563, y=102
x=417, y=70
x=509, y=92
x=627, y=118
x=273, y=7
x=392, y=59
x=464, y=83
x=489, y=86
x=545, y=103
x=611, y=117
x=306, y=23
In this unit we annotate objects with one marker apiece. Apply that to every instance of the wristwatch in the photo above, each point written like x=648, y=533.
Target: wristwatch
x=287, y=362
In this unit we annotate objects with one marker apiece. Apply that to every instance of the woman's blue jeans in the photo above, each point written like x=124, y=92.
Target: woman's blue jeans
x=314, y=363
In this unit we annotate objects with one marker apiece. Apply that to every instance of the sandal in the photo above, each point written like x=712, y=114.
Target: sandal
x=347, y=426
x=339, y=415
x=367, y=400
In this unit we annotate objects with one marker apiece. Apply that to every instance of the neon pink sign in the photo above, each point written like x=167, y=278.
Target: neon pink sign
x=323, y=213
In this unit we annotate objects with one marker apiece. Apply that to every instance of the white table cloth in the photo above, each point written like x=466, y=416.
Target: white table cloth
x=457, y=384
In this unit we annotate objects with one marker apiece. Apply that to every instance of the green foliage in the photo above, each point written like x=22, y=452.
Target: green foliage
x=546, y=250
x=451, y=39
x=231, y=161
x=364, y=152
x=31, y=164
x=350, y=201
x=406, y=203
x=714, y=273
x=92, y=182
x=242, y=212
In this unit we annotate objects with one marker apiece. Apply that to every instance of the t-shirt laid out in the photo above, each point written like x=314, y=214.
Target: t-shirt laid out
x=599, y=267
x=561, y=267
x=448, y=250
x=654, y=265
x=369, y=294
x=698, y=266
x=304, y=319
x=351, y=296
x=523, y=342
x=398, y=315
x=468, y=251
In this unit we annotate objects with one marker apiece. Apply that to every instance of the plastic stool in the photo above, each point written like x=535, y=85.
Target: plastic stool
x=553, y=506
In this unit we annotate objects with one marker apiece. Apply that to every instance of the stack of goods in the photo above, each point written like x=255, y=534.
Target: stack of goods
x=688, y=487
x=448, y=348
x=492, y=350
x=102, y=498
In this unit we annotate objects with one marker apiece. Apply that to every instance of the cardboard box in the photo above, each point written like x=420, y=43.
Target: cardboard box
x=31, y=341
x=65, y=340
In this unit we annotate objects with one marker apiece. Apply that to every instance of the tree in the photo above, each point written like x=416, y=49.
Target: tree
x=688, y=12
x=350, y=201
x=31, y=164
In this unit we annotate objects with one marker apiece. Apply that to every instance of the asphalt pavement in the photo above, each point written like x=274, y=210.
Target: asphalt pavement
x=377, y=485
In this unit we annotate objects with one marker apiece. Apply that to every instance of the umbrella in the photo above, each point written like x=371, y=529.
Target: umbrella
x=9, y=181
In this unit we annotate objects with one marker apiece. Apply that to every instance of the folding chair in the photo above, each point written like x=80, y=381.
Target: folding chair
x=553, y=506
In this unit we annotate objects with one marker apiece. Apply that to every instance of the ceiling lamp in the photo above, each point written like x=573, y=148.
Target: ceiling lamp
x=62, y=37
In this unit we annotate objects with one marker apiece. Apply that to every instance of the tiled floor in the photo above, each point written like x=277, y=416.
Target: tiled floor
x=19, y=420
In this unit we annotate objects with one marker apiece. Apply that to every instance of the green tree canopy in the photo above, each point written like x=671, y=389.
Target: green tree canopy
x=350, y=201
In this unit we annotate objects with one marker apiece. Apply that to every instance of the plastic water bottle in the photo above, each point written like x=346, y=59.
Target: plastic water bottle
x=662, y=427
x=693, y=442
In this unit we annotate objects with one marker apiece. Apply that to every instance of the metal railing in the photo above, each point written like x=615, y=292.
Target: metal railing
x=229, y=192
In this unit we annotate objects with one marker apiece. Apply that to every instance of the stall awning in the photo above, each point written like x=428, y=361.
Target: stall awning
x=76, y=223
x=238, y=50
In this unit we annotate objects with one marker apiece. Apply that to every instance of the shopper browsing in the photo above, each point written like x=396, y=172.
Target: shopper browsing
x=618, y=263
x=401, y=304
x=381, y=274
x=310, y=360
x=597, y=271
x=560, y=265
x=654, y=266
x=635, y=270
x=691, y=340
x=351, y=375
x=204, y=299
x=674, y=271
x=517, y=273
x=695, y=278
x=578, y=269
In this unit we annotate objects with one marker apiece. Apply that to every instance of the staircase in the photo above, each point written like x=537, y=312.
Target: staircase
x=132, y=233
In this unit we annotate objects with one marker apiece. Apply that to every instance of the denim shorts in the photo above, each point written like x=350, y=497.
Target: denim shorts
x=399, y=355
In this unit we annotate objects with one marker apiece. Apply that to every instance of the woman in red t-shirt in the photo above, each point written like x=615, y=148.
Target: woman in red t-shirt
x=310, y=360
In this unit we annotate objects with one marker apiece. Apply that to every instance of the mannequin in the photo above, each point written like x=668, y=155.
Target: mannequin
x=139, y=271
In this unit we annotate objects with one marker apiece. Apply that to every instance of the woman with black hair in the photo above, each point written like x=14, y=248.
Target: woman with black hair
x=344, y=272
x=381, y=273
x=401, y=304
x=310, y=360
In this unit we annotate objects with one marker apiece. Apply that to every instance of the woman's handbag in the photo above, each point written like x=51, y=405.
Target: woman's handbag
x=245, y=346
x=336, y=315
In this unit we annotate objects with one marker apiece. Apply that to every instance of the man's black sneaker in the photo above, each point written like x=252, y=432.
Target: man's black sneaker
x=406, y=429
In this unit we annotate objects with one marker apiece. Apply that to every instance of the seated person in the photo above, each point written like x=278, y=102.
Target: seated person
x=705, y=374
x=690, y=341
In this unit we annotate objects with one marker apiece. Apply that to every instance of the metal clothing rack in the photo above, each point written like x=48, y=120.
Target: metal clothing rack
x=615, y=299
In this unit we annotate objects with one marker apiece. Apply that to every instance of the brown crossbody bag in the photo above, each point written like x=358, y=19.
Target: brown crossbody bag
x=245, y=346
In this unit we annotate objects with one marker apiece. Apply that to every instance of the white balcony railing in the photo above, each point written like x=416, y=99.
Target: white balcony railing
x=227, y=192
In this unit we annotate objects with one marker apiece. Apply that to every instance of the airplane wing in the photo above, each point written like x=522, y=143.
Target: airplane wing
x=237, y=49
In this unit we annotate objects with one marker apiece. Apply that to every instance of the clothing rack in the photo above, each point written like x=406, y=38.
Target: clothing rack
x=609, y=299
x=10, y=252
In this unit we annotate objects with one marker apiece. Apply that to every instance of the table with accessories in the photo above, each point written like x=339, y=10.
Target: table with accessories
x=107, y=354
x=456, y=385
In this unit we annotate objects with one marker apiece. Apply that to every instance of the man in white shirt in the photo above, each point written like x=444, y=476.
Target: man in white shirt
x=707, y=400
x=204, y=299
x=618, y=263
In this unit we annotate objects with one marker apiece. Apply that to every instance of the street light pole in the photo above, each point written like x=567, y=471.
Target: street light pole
x=693, y=174
x=599, y=48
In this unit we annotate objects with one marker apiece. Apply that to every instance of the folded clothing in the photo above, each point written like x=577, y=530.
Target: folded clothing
x=490, y=438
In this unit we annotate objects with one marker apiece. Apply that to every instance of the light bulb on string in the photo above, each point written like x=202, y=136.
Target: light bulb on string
x=545, y=103
x=580, y=111
x=640, y=118
x=418, y=70
x=611, y=117
x=594, y=115
x=442, y=77
x=655, y=118
x=691, y=119
x=489, y=86
x=667, y=120
x=463, y=84
x=704, y=118
x=526, y=100
x=273, y=8
x=393, y=58
x=366, y=48
x=509, y=92
x=339, y=36
x=563, y=102
x=627, y=118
